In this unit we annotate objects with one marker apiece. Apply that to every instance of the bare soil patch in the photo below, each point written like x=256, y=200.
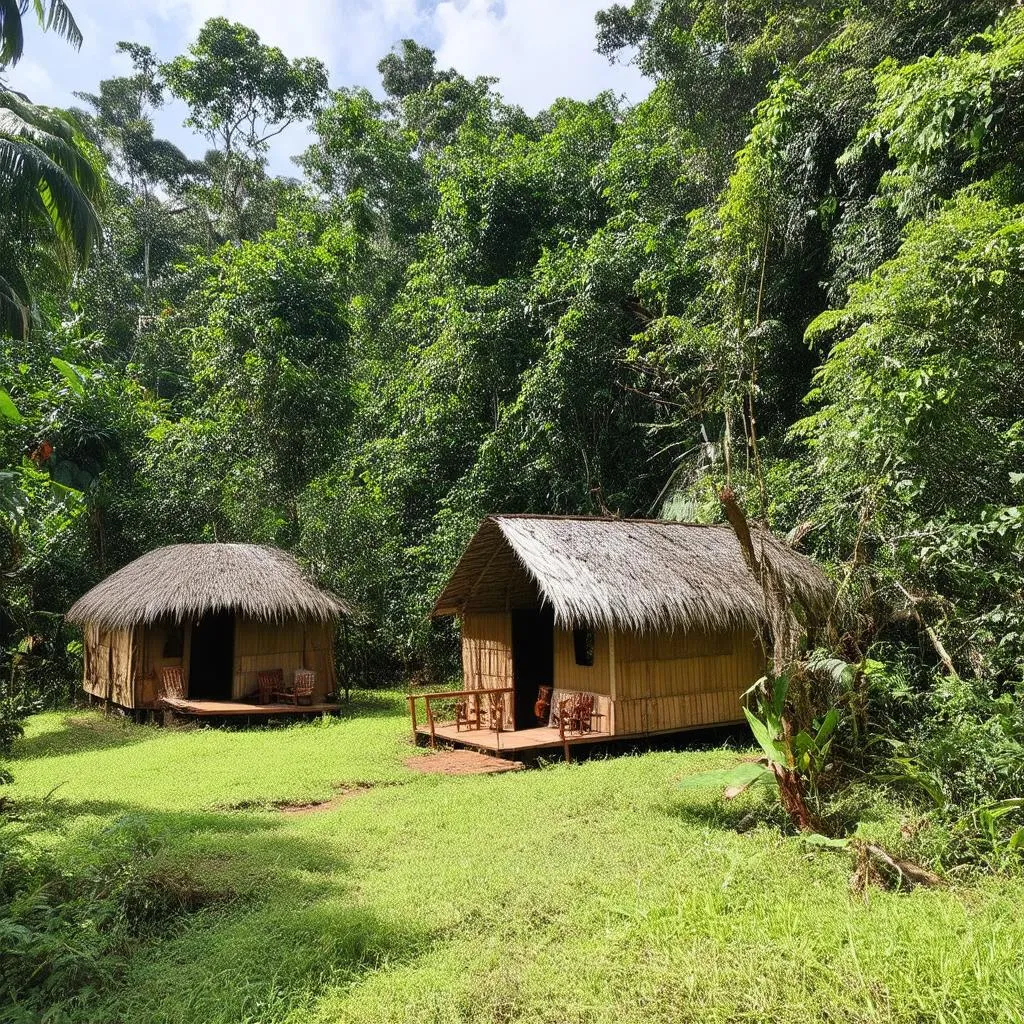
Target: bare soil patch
x=461, y=762
x=316, y=806
x=298, y=806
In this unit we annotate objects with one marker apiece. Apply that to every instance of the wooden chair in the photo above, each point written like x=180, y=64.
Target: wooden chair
x=301, y=690
x=305, y=683
x=268, y=683
x=542, y=707
x=496, y=711
x=467, y=713
x=576, y=713
x=172, y=682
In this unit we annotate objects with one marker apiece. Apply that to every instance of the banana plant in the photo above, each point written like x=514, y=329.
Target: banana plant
x=793, y=762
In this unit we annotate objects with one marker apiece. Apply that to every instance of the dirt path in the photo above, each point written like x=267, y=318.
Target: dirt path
x=461, y=762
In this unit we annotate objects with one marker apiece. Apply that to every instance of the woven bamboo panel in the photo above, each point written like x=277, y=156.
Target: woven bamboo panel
x=674, y=646
x=658, y=694
x=108, y=666
x=151, y=641
x=287, y=646
x=594, y=678
x=487, y=653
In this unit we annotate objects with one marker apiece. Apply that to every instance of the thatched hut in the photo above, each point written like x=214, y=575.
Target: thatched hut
x=219, y=612
x=662, y=622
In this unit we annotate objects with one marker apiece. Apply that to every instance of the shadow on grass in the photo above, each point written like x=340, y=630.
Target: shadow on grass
x=726, y=815
x=239, y=916
x=80, y=732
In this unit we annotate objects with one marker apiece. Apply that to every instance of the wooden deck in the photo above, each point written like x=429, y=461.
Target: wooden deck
x=233, y=708
x=522, y=741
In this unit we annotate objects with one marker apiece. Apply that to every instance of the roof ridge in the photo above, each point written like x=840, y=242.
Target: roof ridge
x=552, y=517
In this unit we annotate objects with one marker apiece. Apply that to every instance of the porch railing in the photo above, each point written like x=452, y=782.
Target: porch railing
x=447, y=695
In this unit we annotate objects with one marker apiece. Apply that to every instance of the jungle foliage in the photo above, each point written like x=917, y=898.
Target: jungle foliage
x=796, y=268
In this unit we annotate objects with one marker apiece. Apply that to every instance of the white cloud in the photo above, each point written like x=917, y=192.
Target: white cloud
x=34, y=79
x=539, y=49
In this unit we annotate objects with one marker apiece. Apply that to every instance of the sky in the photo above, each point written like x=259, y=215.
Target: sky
x=538, y=49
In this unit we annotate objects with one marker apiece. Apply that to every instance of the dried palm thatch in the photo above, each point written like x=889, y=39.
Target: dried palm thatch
x=186, y=581
x=627, y=574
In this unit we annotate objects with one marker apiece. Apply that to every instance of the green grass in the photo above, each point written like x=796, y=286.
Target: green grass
x=593, y=892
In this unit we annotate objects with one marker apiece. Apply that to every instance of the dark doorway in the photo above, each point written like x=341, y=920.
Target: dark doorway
x=211, y=663
x=533, y=661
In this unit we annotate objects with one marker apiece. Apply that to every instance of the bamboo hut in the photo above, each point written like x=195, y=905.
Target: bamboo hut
x=662, y=623
x=219, y=613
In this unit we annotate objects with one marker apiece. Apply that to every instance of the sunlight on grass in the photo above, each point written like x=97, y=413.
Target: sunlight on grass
x=589, y=893
x=87, y=757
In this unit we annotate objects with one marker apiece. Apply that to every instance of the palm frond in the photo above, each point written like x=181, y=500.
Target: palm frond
x=44, y=173
x=12, y=36
x=54, y=137
x=56, y=16
x=37, y=184
x=53, y=16
x=14, y=305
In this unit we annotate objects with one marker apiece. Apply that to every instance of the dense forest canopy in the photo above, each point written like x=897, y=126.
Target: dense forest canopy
x=796, y=267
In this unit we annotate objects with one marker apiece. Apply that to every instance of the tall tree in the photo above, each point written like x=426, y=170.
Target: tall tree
x=150, y=169
x=240, y=94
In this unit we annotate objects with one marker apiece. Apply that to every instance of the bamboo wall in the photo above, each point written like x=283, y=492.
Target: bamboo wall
x=124, y=667
x=594, y=678
x=287, y=646
x=108, y=664
x=487, y=654
x=650, y=683
x=151, y=642
x=672, y=681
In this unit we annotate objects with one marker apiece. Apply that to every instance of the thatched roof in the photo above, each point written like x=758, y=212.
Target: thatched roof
x=185, y=581
x=625, y=573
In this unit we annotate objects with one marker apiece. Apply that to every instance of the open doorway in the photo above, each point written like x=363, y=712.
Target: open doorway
x=211, y=663
x=533, y=660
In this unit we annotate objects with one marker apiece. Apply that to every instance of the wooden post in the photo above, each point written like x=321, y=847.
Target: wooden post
x=345, y=657
x=430, y=719
x=612, y=695
x=412, y=714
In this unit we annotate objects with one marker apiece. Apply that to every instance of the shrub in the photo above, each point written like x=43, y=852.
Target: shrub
x=67, y=920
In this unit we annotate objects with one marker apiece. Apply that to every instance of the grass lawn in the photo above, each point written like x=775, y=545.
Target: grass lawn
x=573, y=893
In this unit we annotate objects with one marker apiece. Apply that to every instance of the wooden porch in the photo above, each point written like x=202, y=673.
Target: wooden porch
x=479, y=725
x=233, y=708
x=524, y=742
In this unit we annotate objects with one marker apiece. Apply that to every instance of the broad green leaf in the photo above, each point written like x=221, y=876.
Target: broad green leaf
x=72, y=374
x=8, y=408
x=993, y=812
x=780, y=688
x=742, y=775
x=827, y=727
x=71, y=476
x=765, y=739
